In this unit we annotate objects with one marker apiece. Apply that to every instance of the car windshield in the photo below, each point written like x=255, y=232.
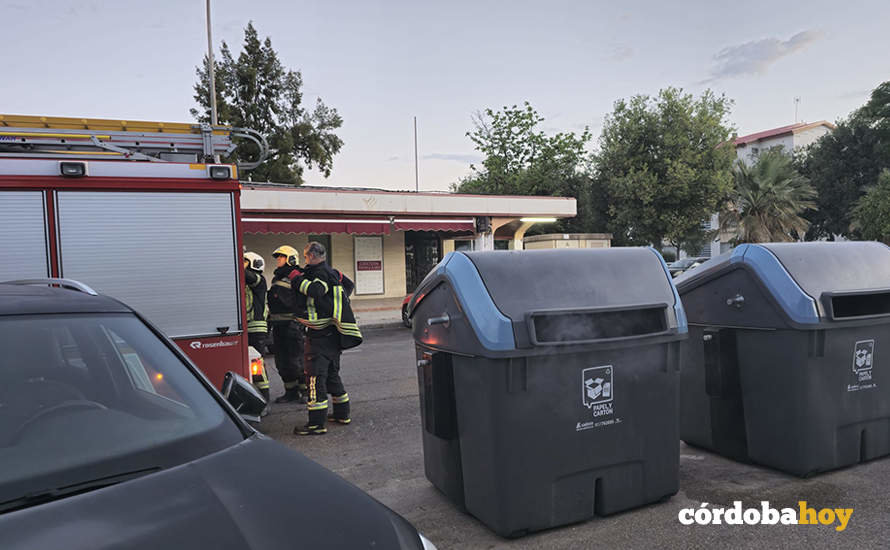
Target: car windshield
x=85, y=397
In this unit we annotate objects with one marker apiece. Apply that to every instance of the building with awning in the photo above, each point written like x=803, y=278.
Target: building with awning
x=387, y=241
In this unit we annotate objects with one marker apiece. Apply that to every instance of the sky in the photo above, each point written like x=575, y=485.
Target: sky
x=381, y=63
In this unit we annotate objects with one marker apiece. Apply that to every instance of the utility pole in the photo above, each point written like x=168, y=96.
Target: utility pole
x=796, y=104
x=416, y=170
x=211, y=72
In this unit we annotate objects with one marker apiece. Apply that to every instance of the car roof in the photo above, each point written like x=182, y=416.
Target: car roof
x=40, y=299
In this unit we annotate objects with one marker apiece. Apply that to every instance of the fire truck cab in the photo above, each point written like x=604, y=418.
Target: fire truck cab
x=138, y=211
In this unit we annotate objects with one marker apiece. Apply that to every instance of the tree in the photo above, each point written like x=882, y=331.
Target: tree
x=665, y=165
x=255, y=91
x=520, y=159
x=871, y=215
x=768, y=200
x=843, y=163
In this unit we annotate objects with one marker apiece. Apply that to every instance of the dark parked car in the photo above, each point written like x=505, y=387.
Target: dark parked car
x=405, y=319
x=681, y=266
x=111, y=438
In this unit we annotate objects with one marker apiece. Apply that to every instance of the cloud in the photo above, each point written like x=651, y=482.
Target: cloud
x=755, y=57
x=454, y=157
x=620, y=52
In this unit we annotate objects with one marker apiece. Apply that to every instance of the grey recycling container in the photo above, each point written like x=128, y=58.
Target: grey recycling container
x=549, y=383
x=785, y=364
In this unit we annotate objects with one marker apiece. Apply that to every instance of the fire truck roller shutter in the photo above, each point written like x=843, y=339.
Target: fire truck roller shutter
x=169, y=255
x=23, y=246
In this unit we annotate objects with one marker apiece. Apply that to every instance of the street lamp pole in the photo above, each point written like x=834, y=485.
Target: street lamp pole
x=416, y=172
x=211, y=72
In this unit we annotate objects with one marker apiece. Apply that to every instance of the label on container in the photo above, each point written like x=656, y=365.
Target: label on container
x=863, y=361
x=597, y=396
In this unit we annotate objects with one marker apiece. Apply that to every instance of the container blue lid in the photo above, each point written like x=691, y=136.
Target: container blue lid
x=498, y=290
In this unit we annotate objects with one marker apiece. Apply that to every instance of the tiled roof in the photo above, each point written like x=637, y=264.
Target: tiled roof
x=781, y=131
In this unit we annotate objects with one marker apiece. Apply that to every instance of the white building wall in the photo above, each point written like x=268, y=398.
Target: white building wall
x=748, y=154
x=342, y=257
x=808, y=137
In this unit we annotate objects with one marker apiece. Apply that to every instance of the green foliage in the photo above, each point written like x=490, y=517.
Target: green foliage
x=768, y=200
x=665, y=165
x=520, y=159
x=843, y=163
x=255, y=91
x=871, y=215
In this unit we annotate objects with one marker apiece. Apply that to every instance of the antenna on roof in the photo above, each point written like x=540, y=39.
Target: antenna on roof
x=796, y=104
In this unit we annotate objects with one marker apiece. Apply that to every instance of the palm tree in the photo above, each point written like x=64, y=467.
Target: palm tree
x=768, y=200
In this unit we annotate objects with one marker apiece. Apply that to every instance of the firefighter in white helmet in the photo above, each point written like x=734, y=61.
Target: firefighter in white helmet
x=287, y=333
x=257, y=311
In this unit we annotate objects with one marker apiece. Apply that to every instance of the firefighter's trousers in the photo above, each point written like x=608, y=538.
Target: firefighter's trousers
x=322, y=360
x=288, y=340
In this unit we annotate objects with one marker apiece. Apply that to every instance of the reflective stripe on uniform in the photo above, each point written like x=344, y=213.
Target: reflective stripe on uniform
x=338, y=302
x=312, y=389
x=282, y=283
x=306, y=283
x=341, y=398
x=257, y=326
x=311, y=312
x=349, y=329
x=320, y=406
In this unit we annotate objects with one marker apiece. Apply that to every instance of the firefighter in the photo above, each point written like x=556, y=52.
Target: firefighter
x=287, y=333
x=257, y=310
x=330, y=328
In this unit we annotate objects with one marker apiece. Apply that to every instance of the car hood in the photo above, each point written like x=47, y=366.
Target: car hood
x=257, y=494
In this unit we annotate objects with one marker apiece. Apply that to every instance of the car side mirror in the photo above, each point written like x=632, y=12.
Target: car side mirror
x=243, y=396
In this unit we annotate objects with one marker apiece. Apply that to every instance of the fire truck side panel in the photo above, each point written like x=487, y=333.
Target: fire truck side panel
x=170, y=248
x=23, y=238
x=168, y=255
x=213, y=354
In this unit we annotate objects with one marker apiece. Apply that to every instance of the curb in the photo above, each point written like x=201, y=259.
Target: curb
x=381, y=325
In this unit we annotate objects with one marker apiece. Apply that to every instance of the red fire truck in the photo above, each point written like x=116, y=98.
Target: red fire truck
x=138, y=211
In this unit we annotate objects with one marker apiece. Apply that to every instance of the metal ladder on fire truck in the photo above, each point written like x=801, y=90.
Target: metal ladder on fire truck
x=100, y=139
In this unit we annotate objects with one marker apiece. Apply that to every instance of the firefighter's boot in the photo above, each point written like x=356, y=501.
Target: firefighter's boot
x=341, y=409
x=318, y=413
x=292, y=395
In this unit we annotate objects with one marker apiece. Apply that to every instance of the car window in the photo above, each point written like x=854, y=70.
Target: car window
x=97, y=393
x=143, y=374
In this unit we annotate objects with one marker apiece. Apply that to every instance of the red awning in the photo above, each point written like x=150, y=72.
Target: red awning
x=317, y=226
x=460, y=225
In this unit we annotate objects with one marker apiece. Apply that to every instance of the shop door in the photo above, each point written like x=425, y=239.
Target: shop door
x=422, y=252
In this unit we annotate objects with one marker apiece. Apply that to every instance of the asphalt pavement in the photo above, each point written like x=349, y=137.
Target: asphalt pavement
x=381, y=452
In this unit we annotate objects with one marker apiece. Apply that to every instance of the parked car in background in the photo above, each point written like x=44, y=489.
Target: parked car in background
x=405, y=319
x=681, y=266
x=110, y=437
